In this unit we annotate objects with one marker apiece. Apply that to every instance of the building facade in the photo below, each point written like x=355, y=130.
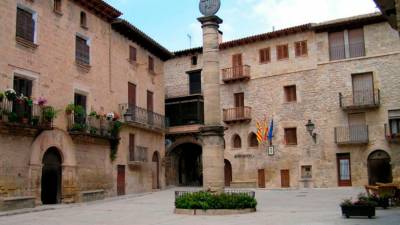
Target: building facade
x=339, y=77
x=81, y=103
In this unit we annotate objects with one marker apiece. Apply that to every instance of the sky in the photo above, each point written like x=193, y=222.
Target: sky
x=172, y=22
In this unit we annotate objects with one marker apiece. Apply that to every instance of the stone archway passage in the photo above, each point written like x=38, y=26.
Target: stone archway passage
x=228, y=173
x=379, y=168
x=51, y=177
x=156, y=172
x=185, y=167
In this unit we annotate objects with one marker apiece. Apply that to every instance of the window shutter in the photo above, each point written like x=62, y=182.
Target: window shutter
x=298, y=48
x=286, y=51
x=356, y=42
x=132, y=53
x=305, y=48
x=82, y=51
x=151, y=64
x=25, y=25
x=336, y=45
x=262, y=56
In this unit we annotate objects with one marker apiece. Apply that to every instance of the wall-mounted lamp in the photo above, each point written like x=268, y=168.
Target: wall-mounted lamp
x=310, y=126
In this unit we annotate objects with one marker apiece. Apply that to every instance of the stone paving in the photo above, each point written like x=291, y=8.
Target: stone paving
x=276, y=207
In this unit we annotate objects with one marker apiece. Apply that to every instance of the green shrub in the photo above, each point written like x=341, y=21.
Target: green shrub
x=206, y=200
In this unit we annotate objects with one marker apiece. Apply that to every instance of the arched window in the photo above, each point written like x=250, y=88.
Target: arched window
x=253, y=142
x=237, y=142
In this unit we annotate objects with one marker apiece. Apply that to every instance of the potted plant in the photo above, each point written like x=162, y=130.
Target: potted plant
x=93, y=130
x=382, y=200
x=10, y=94
x=78, y=127
x=25, y=118
x=49, y=114
x=35, y=121
x=42, y=101
x=363, y=206
x=70, y=109
x=12, y=117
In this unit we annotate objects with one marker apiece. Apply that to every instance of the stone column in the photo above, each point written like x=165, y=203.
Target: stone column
x=213, y=131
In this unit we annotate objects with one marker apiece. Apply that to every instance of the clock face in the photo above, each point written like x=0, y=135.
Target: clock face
x=209, y=7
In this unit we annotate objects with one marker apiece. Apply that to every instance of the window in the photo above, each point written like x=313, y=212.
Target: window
x=132, y=54
x=23, y=87
x=150, y=101
x=346, y=44
x=237, y=142
x=290, y=93
x=25, y=25
x=131, y=96
x=194, y=60
x=80, y=100
x=306, y=172
x=151, y=64
x=291, y=136
x=82, y=53
x=195, y=83
x=394, y=122
x=253, y=142
x=301, y=48
x=83, y=20
x=282, y=52
x=265, y=56
x=57, y=6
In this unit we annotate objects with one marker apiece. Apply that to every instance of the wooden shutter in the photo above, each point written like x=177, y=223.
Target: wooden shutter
x=151, y=64
x=25, y=25
x=83, y=20
x=57, y=5
x=336, y=45
x=237, y=60
x=290, y=93
x=265, y=55
x=301, y=48
x=356, y=43
x=291, y=136
x=131, y=95
x=150, y=101
x=132, y=54
x=363, y=89
x=282, y=52
x=262, y=56
x=239, y=100
x=82, y=51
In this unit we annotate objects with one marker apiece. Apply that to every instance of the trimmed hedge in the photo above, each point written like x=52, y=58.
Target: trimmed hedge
x=206, y=200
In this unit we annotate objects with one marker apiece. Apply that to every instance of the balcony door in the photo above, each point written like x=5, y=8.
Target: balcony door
x=22, y=87
x=239, y=105
x=357, y=124
x=344, y=170
x=80, y=100
x=237, y=65
x=150, y=107
x=363, y=89
x=131, y=95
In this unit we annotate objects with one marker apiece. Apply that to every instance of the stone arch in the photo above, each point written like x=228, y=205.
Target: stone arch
x=156, y=170
x=227, y=172
x=183, y=140
x=252, y=140
x=379, y=167
x=236, y=141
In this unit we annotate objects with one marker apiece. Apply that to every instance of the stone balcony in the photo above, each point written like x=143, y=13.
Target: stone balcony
x=236, y=74
x=352, y=135
x=359, y=100
x=237, y=115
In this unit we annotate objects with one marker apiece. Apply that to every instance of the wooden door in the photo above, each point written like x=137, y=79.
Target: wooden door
x=261, y=178
x=363, y=89
x=239, y=105
x=228, y=173
x=121, y=180
x=150, y=107
x=344, y=170
x=131, y=95
x=285, y=178
x=237, y=65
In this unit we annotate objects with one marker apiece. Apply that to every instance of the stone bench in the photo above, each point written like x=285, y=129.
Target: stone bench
x=92, y=195
x=13, y=203
x=243, y=184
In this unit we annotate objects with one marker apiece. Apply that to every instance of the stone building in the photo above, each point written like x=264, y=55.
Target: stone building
x=80, y=69
x=339, y=77
x=391, y=11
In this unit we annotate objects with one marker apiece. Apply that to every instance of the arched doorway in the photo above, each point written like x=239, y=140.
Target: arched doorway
x=185, y=166
x=51, y=177
x=156, y=170
x=379, y=168
x=228, y=173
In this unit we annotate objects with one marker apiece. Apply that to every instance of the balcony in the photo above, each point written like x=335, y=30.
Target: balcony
x=352, y=135
x=185, y=111
x=391, y=135
x=364, y=99
x=354, y=50
x=143, y=118
x=237, y=115
x=138, y=155
x=238, y=73
x=23, y=117
x=87, y=127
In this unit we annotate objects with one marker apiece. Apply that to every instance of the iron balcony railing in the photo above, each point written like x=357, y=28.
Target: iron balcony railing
x=19, y=112
x=357, y=134
x=354, y=50
x=236, y=73
x=138, y=154
x=135, y=114
x=237, y=114
x=92, y=125
x=360, y=99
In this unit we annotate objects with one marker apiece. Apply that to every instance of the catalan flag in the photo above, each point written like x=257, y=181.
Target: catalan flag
x=259, y=132
x=265, y=130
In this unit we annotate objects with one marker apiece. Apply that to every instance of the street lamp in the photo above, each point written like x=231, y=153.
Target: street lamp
x=310, y=126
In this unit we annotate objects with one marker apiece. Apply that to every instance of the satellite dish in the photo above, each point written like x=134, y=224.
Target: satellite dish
x=209, y=7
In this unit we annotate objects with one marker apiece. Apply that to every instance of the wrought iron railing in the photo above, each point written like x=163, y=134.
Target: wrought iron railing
x=361, y=99
x=237, y=114
x=138, y=154
x=354, y=50
x=93, y=125
x=24, y=114
x=236, y=73
x=357, y=134
x=135, y=114
x=229, y=192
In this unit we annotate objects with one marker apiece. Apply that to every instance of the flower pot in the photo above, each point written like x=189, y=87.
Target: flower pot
x=25, y=121
x=358, y=210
